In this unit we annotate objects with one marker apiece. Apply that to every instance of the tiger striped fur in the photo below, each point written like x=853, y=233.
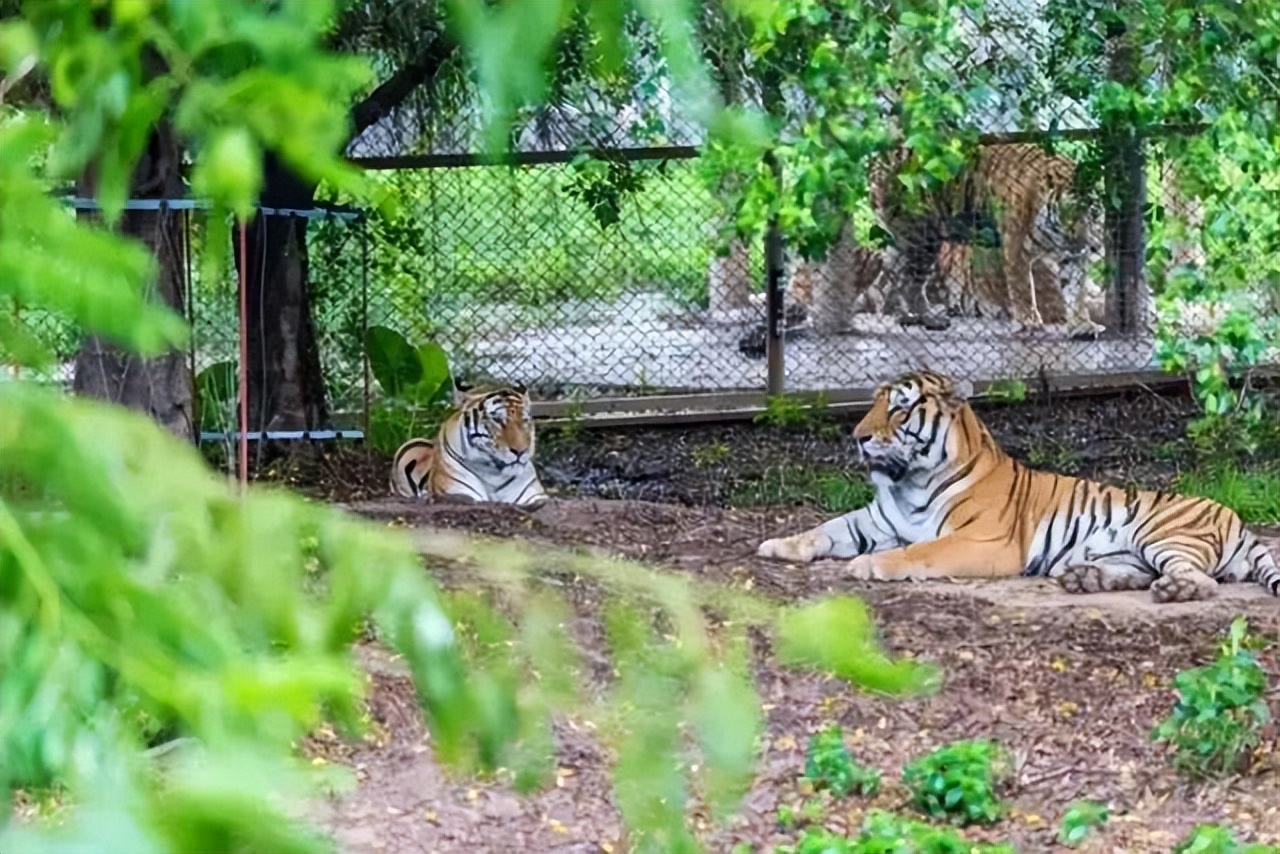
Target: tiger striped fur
x=950, y=503
x=483, y=452
x=1018, y=193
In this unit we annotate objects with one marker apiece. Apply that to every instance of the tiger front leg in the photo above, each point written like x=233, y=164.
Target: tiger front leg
x=845, y=536
x=947, y=557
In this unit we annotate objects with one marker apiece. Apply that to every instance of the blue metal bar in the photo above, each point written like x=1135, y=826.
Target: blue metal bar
x=84, y=204
x=282, y=435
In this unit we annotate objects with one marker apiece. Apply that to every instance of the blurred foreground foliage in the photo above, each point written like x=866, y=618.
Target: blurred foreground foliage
x=148, y=610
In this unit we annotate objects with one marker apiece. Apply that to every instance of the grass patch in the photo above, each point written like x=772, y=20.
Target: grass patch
x=833, y=491
x=1255, y=495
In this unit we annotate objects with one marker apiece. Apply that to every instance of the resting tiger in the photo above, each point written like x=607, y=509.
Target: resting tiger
x=482, y=452
x=951, y=504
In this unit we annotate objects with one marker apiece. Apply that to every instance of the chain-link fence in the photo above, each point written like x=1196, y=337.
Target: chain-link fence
x=524, y=276
x=591, y=263
x=1058, y=251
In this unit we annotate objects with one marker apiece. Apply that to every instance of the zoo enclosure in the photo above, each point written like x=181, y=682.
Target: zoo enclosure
x=588, y=264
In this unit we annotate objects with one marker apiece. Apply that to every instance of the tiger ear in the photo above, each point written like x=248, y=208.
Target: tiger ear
x=962, y=389
x=461, y=391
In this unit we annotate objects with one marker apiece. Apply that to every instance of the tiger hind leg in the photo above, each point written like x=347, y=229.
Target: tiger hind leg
x=1096, y=578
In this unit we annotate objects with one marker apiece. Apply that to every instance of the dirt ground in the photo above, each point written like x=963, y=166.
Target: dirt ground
x=1137, y=437
x=1072, y=685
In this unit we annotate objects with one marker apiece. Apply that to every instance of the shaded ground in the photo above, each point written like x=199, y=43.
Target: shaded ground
x=1071, y=684
x=1139, y=436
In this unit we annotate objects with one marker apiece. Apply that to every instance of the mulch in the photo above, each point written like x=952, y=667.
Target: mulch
x=1071, y=685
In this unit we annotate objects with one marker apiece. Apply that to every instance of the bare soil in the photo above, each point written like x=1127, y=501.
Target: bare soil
x=1137, y=437
x=1071, y=684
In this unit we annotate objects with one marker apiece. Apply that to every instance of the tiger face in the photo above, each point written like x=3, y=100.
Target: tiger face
x=500, y=427
x=904, y=430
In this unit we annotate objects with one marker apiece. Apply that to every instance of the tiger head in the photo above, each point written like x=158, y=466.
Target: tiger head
x=907, y=428
x=498, y=424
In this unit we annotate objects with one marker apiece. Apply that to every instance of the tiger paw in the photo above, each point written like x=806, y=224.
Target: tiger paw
x=1184, y=586
x=863, y=568
x=1084, y=578
x=801, y=548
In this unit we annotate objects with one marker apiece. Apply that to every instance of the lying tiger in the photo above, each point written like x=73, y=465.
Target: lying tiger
x=951, y=504
x=482, y=452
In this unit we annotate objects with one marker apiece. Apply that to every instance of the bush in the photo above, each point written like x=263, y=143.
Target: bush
x=1216, y=839
x=1218, y=717
x=959, y=781
x=829, y=766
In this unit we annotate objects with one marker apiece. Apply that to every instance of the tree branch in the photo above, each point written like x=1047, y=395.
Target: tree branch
x=396, y=88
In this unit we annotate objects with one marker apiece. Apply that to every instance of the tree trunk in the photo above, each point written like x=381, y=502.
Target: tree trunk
x=160, y=386
x=286, y=384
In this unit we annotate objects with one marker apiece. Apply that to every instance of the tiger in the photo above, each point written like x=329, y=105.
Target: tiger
x=483, y=451
x=950, y=503
x=1017, y=197
x=971, y=282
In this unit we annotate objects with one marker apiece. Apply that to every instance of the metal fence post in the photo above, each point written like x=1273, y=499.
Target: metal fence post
x=773, y=345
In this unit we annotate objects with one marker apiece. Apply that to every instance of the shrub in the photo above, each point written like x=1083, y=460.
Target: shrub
x=1216, y=839
x=829, y=766
x=959, y=781
x=1220, y=711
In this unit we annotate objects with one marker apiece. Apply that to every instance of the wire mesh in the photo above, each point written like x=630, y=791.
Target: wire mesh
x=597, y=265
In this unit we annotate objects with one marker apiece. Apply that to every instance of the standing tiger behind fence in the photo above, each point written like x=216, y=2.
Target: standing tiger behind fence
x=950, y=503
x=483, y=451
x=1017, y=197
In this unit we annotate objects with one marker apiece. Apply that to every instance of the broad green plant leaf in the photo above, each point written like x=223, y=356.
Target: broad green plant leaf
x=394, y=362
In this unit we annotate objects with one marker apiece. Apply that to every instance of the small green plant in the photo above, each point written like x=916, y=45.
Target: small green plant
x=1007, y=391
x=828, y=765
x=795, y=412
x=959, y=781
x=709, y=455
x=1253, y=430
x=886, y=833
x=1216, y=839
x=570, y=425
x=830, y=491
x=1218, y=717
x=1079, y=819
x=1054, y=456
x=417, y=385
x=1255, y=495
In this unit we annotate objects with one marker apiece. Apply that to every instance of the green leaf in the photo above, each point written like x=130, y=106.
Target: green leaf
x=396, y=365
x=229, y=171
x=835, y=635
x=727, y=717
x=436, y=382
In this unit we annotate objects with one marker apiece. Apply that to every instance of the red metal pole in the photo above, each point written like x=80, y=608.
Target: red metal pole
x=243, y=440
